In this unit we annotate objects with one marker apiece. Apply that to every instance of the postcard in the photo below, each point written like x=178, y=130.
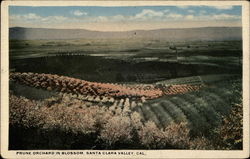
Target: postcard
x=125, y=79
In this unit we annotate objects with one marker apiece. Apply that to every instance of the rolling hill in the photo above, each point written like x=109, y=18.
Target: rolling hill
x=205, y=33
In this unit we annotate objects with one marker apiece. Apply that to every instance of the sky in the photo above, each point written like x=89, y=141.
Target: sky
x=124, y=18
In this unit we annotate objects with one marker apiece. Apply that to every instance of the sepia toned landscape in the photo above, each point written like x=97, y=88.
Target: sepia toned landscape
x=168, y=88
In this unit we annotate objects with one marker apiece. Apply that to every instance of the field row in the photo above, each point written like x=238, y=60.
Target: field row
x=199, y=80
x=203, y=109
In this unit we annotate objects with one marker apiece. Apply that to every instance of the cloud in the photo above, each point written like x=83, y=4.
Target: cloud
x=54, y=19
x=223, y=7
x=225, y=17
x=145, y=16
x=189, y=17
x=99, y=19
x=31, y=16
x=166, y=10
x=34, y=18
x=203, y=12
x=119, y=17
x=78, y=13
x=28, y=16
x=191, y=11
x=14, y=17
x=174, y=16
x=149, y=13
x=152, y=15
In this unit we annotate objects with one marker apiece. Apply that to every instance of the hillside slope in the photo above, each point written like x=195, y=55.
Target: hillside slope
x=206, y=33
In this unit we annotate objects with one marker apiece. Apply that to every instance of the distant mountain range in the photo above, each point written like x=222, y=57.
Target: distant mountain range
x=205, y=33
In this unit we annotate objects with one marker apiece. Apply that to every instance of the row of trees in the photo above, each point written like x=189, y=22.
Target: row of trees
x=109, y=126
x=108, y=101
x=181, y=89
x=99, y=91
x=77, y=86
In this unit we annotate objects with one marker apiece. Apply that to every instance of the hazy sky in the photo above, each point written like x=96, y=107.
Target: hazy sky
x=124, y=18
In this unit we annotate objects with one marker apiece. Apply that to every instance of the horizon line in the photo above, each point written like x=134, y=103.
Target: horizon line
x=126, y=30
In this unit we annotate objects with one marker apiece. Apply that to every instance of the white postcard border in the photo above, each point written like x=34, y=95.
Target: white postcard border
x=149, y=153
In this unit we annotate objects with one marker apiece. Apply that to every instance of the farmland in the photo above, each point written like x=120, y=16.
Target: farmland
x=142, y=90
